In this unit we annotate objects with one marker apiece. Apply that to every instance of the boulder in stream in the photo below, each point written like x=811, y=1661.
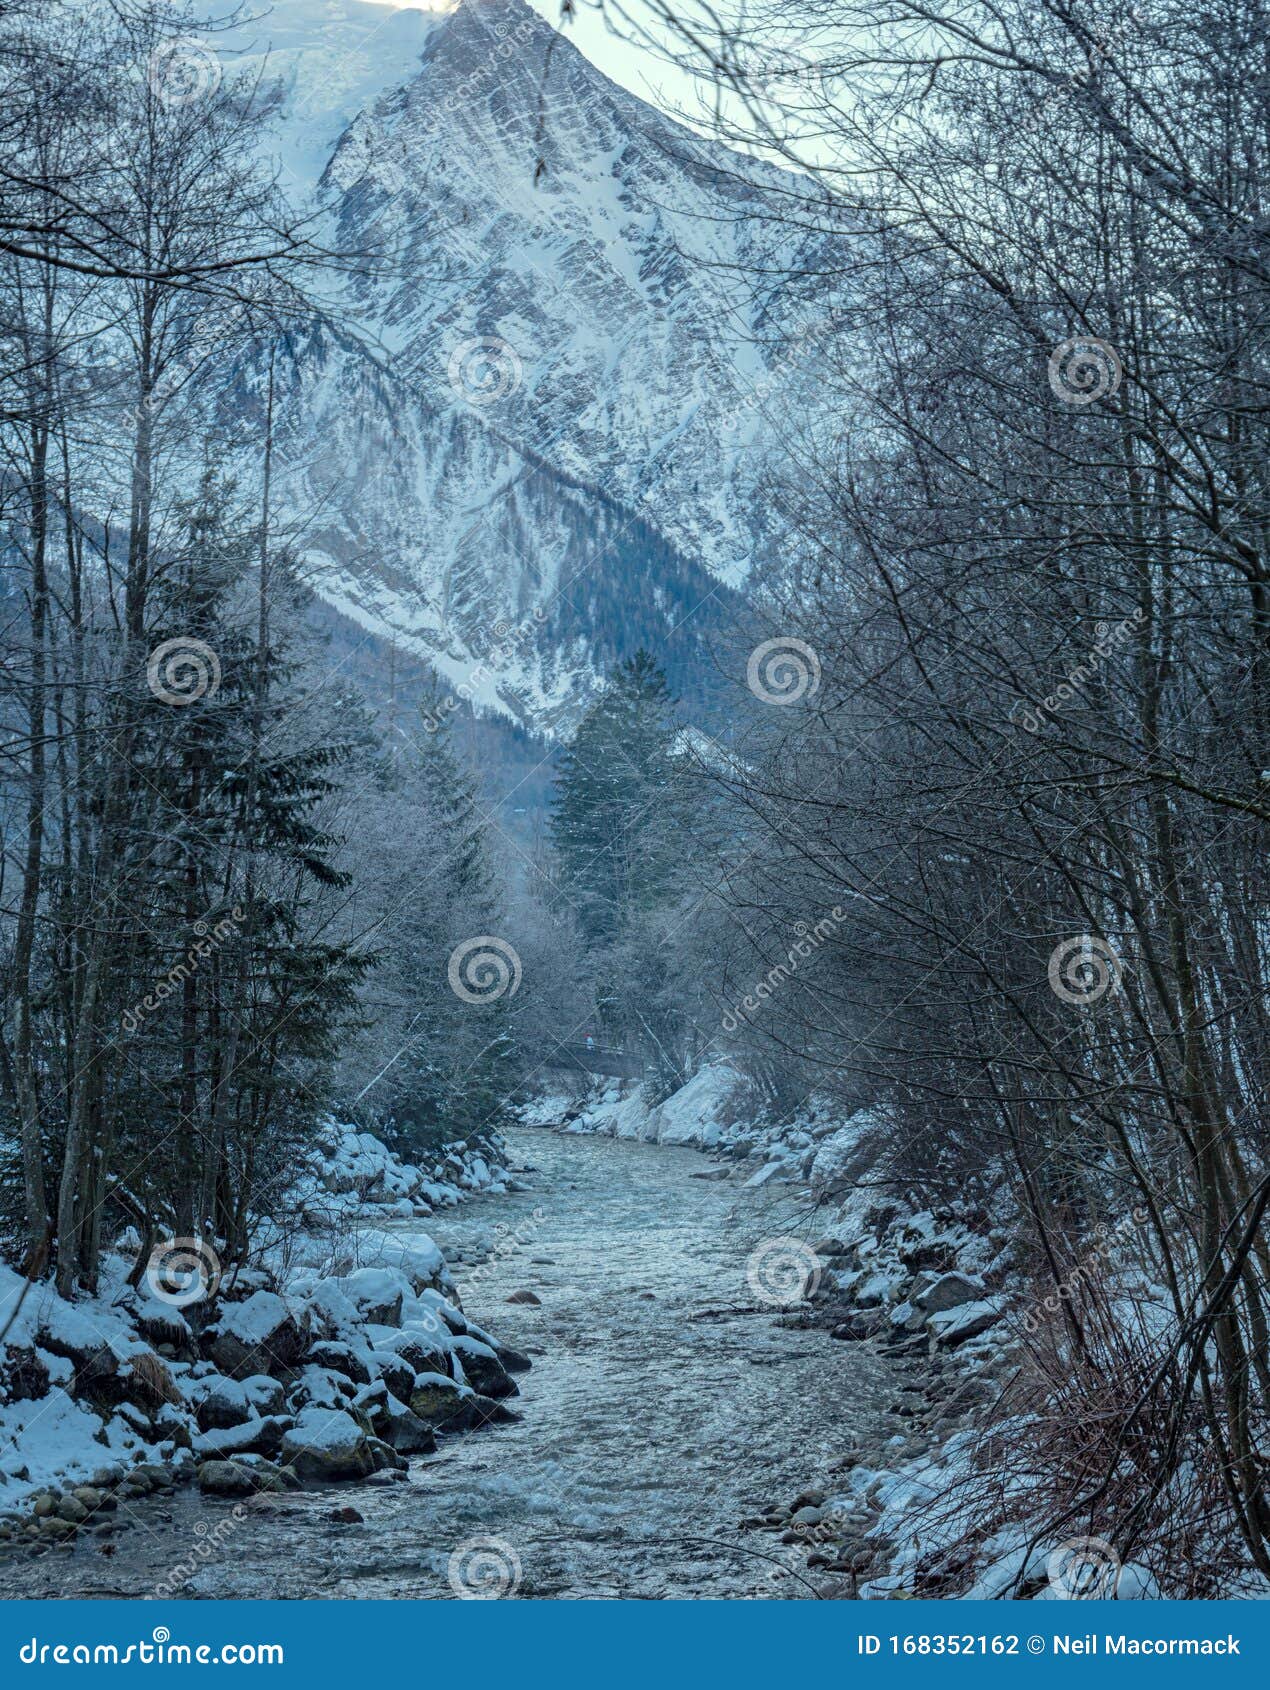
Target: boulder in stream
x=326, y=1444
x=483, y=1370
x=439, y=1401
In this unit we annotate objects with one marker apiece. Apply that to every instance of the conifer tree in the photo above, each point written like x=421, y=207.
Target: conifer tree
x=620, y=825
x=619, y=804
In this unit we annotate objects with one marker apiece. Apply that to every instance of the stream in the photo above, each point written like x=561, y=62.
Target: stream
x=665, y=1404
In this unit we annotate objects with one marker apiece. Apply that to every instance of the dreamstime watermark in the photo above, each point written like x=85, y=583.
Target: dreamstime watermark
x=1107, y=1237
x=1084, y=970
x=484, y=1569
x=809, y=941
x=1084, y=369
x=505, y=43
x=208, y=938
x=159, y=1652
x=1097, y=49
x=1109, y=636
x=777, y=73
x=509, y=637
x=182, y=71
x=183, y=1271
x=1084, y=1569
x=800, y=342
x=201, y=339
x=508, y=1241
x=182, y=671
x=210, y=1539
x=783, y=671
x=484, y=370
x=484, y=969
x=782, y=1272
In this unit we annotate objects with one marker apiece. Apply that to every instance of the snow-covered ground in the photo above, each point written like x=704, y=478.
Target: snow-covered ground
x=714, y=1112
x=337, y=1352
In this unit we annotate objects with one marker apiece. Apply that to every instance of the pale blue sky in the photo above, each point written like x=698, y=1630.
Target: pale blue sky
x=640, y=71
x=637, y=69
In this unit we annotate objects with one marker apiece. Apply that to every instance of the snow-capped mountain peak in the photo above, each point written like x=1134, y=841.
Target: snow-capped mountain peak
x=531, y=410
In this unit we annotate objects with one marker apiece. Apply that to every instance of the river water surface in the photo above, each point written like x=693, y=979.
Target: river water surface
x=665, y=1403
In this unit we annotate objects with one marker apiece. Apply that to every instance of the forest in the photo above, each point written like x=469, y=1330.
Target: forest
x=951, y=819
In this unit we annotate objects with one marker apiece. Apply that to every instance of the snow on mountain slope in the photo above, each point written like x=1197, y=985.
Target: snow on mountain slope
x=328, y=60
x=530, y=430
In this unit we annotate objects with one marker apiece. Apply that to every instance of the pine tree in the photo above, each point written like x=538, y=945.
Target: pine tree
x=228, y=994
x=621, y=828
x=619, y=804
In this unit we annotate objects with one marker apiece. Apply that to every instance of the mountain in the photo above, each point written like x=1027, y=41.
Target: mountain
x=524, y=438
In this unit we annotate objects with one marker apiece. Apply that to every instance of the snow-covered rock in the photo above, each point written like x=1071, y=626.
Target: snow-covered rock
x=437, y=1400
x=348, y=1170
x=846, y=1153
x=949, y=1291
x=956, y=1325
x=699, y=1111
x=696, y=1114
x=327, y=1444
x=263, y=1334
x=377, y=1293
x=333, y=1329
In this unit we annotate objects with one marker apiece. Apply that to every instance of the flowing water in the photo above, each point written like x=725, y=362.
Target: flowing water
x=664, y=1404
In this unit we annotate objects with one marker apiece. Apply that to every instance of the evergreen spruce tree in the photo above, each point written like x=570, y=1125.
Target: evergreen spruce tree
x=232, y=995
x=619, y=806
x=620, y=828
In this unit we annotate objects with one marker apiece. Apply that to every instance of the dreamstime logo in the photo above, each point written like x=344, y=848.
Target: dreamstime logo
x=1084, y=969
x=182, y=1271
x=1084, y=369
x=802, y=341
x=783, y=671
x=207, y=938
x=508, y=1241
x=807, y=941
x=1106, y=1242
x=783, y=1271
x=513, y=634
x=484, y=1569
x=484, y=370
x=1084, y=1569
x=510, y=638
x=780, y=74
x=484, y=969
x=1108, y=636
x=183, y=670
x=209, y=1539
x=180, y=72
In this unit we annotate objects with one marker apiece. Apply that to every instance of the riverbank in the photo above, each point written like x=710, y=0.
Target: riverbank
x=951, y=1492
x=666, y=1405
x=336, y=1353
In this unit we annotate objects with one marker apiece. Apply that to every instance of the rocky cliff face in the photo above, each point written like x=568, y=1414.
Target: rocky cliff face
x=526, y=439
